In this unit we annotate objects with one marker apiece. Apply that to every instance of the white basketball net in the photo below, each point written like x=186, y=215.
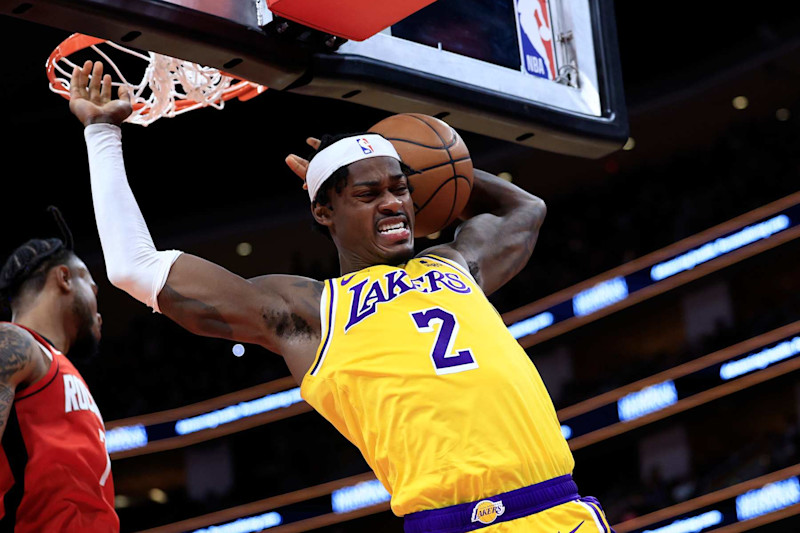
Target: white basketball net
x=169, y=86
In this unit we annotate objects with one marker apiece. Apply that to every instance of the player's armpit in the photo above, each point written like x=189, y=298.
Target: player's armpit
x=276, y=312
x=17, y=351
x=500, y=230
x=303, y=296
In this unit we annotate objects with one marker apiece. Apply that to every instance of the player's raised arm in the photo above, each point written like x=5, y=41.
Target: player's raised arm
x=202, y=297
x=501, y=227
x=17, y=352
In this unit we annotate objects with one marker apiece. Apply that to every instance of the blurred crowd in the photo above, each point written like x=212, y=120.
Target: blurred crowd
x=632, y=214
x=743, y=327
x=745, y=455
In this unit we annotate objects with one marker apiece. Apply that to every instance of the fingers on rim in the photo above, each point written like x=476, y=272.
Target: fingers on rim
x=77, y=85
x=123, y=93
x=94, y=83
x=86, y=68
x=105, y=91
x=74, y=80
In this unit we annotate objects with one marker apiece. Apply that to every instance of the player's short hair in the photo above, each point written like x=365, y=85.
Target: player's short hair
x=27, y=267
x=338, y=179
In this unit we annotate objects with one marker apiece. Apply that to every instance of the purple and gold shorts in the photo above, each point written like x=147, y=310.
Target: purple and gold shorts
x=553, y=506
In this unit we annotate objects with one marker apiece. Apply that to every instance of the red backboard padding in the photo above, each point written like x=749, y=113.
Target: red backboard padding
x=351, y=19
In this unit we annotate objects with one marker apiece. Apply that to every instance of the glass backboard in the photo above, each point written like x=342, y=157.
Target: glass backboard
x=543, y=73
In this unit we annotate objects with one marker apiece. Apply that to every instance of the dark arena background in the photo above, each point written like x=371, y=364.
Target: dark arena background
x=661, y=305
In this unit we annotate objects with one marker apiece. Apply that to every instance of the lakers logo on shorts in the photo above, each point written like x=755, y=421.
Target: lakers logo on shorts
x=487, y=511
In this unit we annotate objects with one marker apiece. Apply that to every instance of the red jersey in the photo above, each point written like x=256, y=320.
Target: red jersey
x=55, y=472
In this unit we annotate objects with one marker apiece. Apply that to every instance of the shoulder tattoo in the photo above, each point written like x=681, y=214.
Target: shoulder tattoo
x=15, y=351
x=309, y=294
x=6, y=399
x=193, y=307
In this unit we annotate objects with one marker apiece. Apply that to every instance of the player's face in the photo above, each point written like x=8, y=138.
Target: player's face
x=84, y=307
x=373, y=217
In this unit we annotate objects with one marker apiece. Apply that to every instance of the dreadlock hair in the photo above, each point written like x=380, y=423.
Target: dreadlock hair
x=27, y=267
x=338, y=179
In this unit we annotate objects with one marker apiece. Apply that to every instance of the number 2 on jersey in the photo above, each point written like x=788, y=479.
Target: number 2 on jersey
x=445, y=359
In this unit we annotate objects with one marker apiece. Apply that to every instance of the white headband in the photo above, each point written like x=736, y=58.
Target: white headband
x=342, y=153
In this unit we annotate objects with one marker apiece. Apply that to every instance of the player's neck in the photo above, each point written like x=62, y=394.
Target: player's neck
x=352, y=263
x=47, y=324
x=348, y=265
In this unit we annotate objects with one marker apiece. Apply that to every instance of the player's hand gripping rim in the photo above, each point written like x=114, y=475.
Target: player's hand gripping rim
x=90, y=98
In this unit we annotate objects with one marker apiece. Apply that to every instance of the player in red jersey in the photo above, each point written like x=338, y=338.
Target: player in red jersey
x=55, y=473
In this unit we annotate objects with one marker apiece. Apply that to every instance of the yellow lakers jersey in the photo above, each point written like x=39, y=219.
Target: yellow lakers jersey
x=416, y=368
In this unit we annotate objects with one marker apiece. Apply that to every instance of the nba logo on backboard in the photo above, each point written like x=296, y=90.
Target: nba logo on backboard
x=365, y=146
x=536, y=38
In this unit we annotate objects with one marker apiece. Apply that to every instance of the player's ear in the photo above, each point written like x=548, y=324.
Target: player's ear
x=322, y=213
x=62, y=277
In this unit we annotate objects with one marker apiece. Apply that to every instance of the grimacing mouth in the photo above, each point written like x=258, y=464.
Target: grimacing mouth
x=393, y=225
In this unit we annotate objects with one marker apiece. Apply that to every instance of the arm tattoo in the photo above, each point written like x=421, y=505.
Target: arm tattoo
x=310, y=294
x=15, y=353
x=15, y=356
x=190, y=307
x=6, y=399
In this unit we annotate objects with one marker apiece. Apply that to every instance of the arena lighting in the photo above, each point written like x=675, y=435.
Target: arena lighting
x=301, y=510
x=740, y=102
x=691, y=524
x=600, y=296
x=236, y=412
x=647, y=400
x=736, y=367
x=121, y=501
x=720, y=246
x=157, y=495
x=209, y=419
x=742, y=365
x=364, y=494
x=768, y=498
x=760, y=360
x=250, y=524
x=531, y=325
x=244, y=249
x=764, y=496
x=657, y=272
x=126, y=438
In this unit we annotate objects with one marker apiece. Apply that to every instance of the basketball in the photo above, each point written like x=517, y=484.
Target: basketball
x=443, y=182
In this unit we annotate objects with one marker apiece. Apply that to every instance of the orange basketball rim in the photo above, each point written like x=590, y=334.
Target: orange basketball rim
x=178, y=102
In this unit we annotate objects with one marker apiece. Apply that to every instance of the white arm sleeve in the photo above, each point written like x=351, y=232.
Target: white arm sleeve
x=132, y=262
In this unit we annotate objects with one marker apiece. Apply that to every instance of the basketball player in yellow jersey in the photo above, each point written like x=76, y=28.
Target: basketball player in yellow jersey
x=403, y=354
